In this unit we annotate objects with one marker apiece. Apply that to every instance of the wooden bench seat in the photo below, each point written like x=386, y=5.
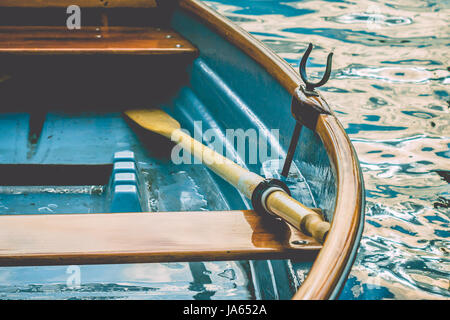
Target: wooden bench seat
x=147, y=237
x=93, y=40
x=81, y=3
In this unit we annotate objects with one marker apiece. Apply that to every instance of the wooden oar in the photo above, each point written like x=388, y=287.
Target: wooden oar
x=277, y=202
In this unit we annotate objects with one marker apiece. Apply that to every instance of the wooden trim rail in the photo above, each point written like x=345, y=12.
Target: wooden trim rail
x=147, y=237
x=334, y=256
x=331, y=264
x=93, y=40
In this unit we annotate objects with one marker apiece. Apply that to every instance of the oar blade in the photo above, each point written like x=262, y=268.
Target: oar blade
x=154, y=120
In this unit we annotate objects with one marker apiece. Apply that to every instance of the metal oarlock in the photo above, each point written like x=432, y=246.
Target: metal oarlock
x=262, y=190
x=302, y=69
x=300, y=114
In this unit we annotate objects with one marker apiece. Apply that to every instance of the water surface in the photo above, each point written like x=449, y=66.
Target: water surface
x=389, y=89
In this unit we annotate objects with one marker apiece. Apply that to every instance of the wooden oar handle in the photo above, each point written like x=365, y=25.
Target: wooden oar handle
x=277, y=202
x=298, y=215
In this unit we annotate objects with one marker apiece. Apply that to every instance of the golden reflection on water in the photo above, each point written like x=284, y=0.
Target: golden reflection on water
x=389, y=89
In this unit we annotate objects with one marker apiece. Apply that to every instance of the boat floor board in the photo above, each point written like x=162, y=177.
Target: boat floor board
x=87, y=138
x=147, y=237
x=93, y=40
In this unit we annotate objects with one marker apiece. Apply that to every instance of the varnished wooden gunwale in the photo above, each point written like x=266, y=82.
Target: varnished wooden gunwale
x=331, y=263
x=269, y=60
x=332, y=260
x=80, y=3
x=147, y=237
x=93, y=40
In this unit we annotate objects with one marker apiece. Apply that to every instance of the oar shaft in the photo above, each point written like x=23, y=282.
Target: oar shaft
x=277, y=202
x=301, y=217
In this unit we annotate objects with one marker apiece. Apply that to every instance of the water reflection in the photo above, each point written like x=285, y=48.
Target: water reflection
x=389, y=88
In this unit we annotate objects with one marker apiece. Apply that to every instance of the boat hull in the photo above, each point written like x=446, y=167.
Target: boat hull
x=231, y=92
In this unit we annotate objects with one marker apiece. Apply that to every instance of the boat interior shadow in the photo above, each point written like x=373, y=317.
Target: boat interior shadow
x=63, y=96
x=155, y=145
x=54, y=175
x=87, y=83
x=268, y=226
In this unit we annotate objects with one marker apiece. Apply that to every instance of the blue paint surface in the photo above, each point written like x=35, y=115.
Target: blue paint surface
x=388, y=88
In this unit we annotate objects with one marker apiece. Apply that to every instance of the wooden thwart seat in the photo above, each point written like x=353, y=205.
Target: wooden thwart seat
x=81, y=3
x=147, y=237
x=93, y=40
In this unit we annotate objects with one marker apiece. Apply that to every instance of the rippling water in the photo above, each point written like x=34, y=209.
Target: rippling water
x=389, y=88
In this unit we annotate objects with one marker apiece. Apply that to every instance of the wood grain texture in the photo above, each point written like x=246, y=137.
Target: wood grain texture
x=278, y=202
x=80, y=3
x=332, y=259
x=147, y=237
x=93, y=40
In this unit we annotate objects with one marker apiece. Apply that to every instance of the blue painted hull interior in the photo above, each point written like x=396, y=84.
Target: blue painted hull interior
x=221, y=89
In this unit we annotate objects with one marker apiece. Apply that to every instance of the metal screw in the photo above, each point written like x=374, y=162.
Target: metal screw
x=178, y=45
x=300, y=242
x=168, y=36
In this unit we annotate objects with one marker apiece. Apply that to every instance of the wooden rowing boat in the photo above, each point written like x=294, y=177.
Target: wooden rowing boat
x=81, y=129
